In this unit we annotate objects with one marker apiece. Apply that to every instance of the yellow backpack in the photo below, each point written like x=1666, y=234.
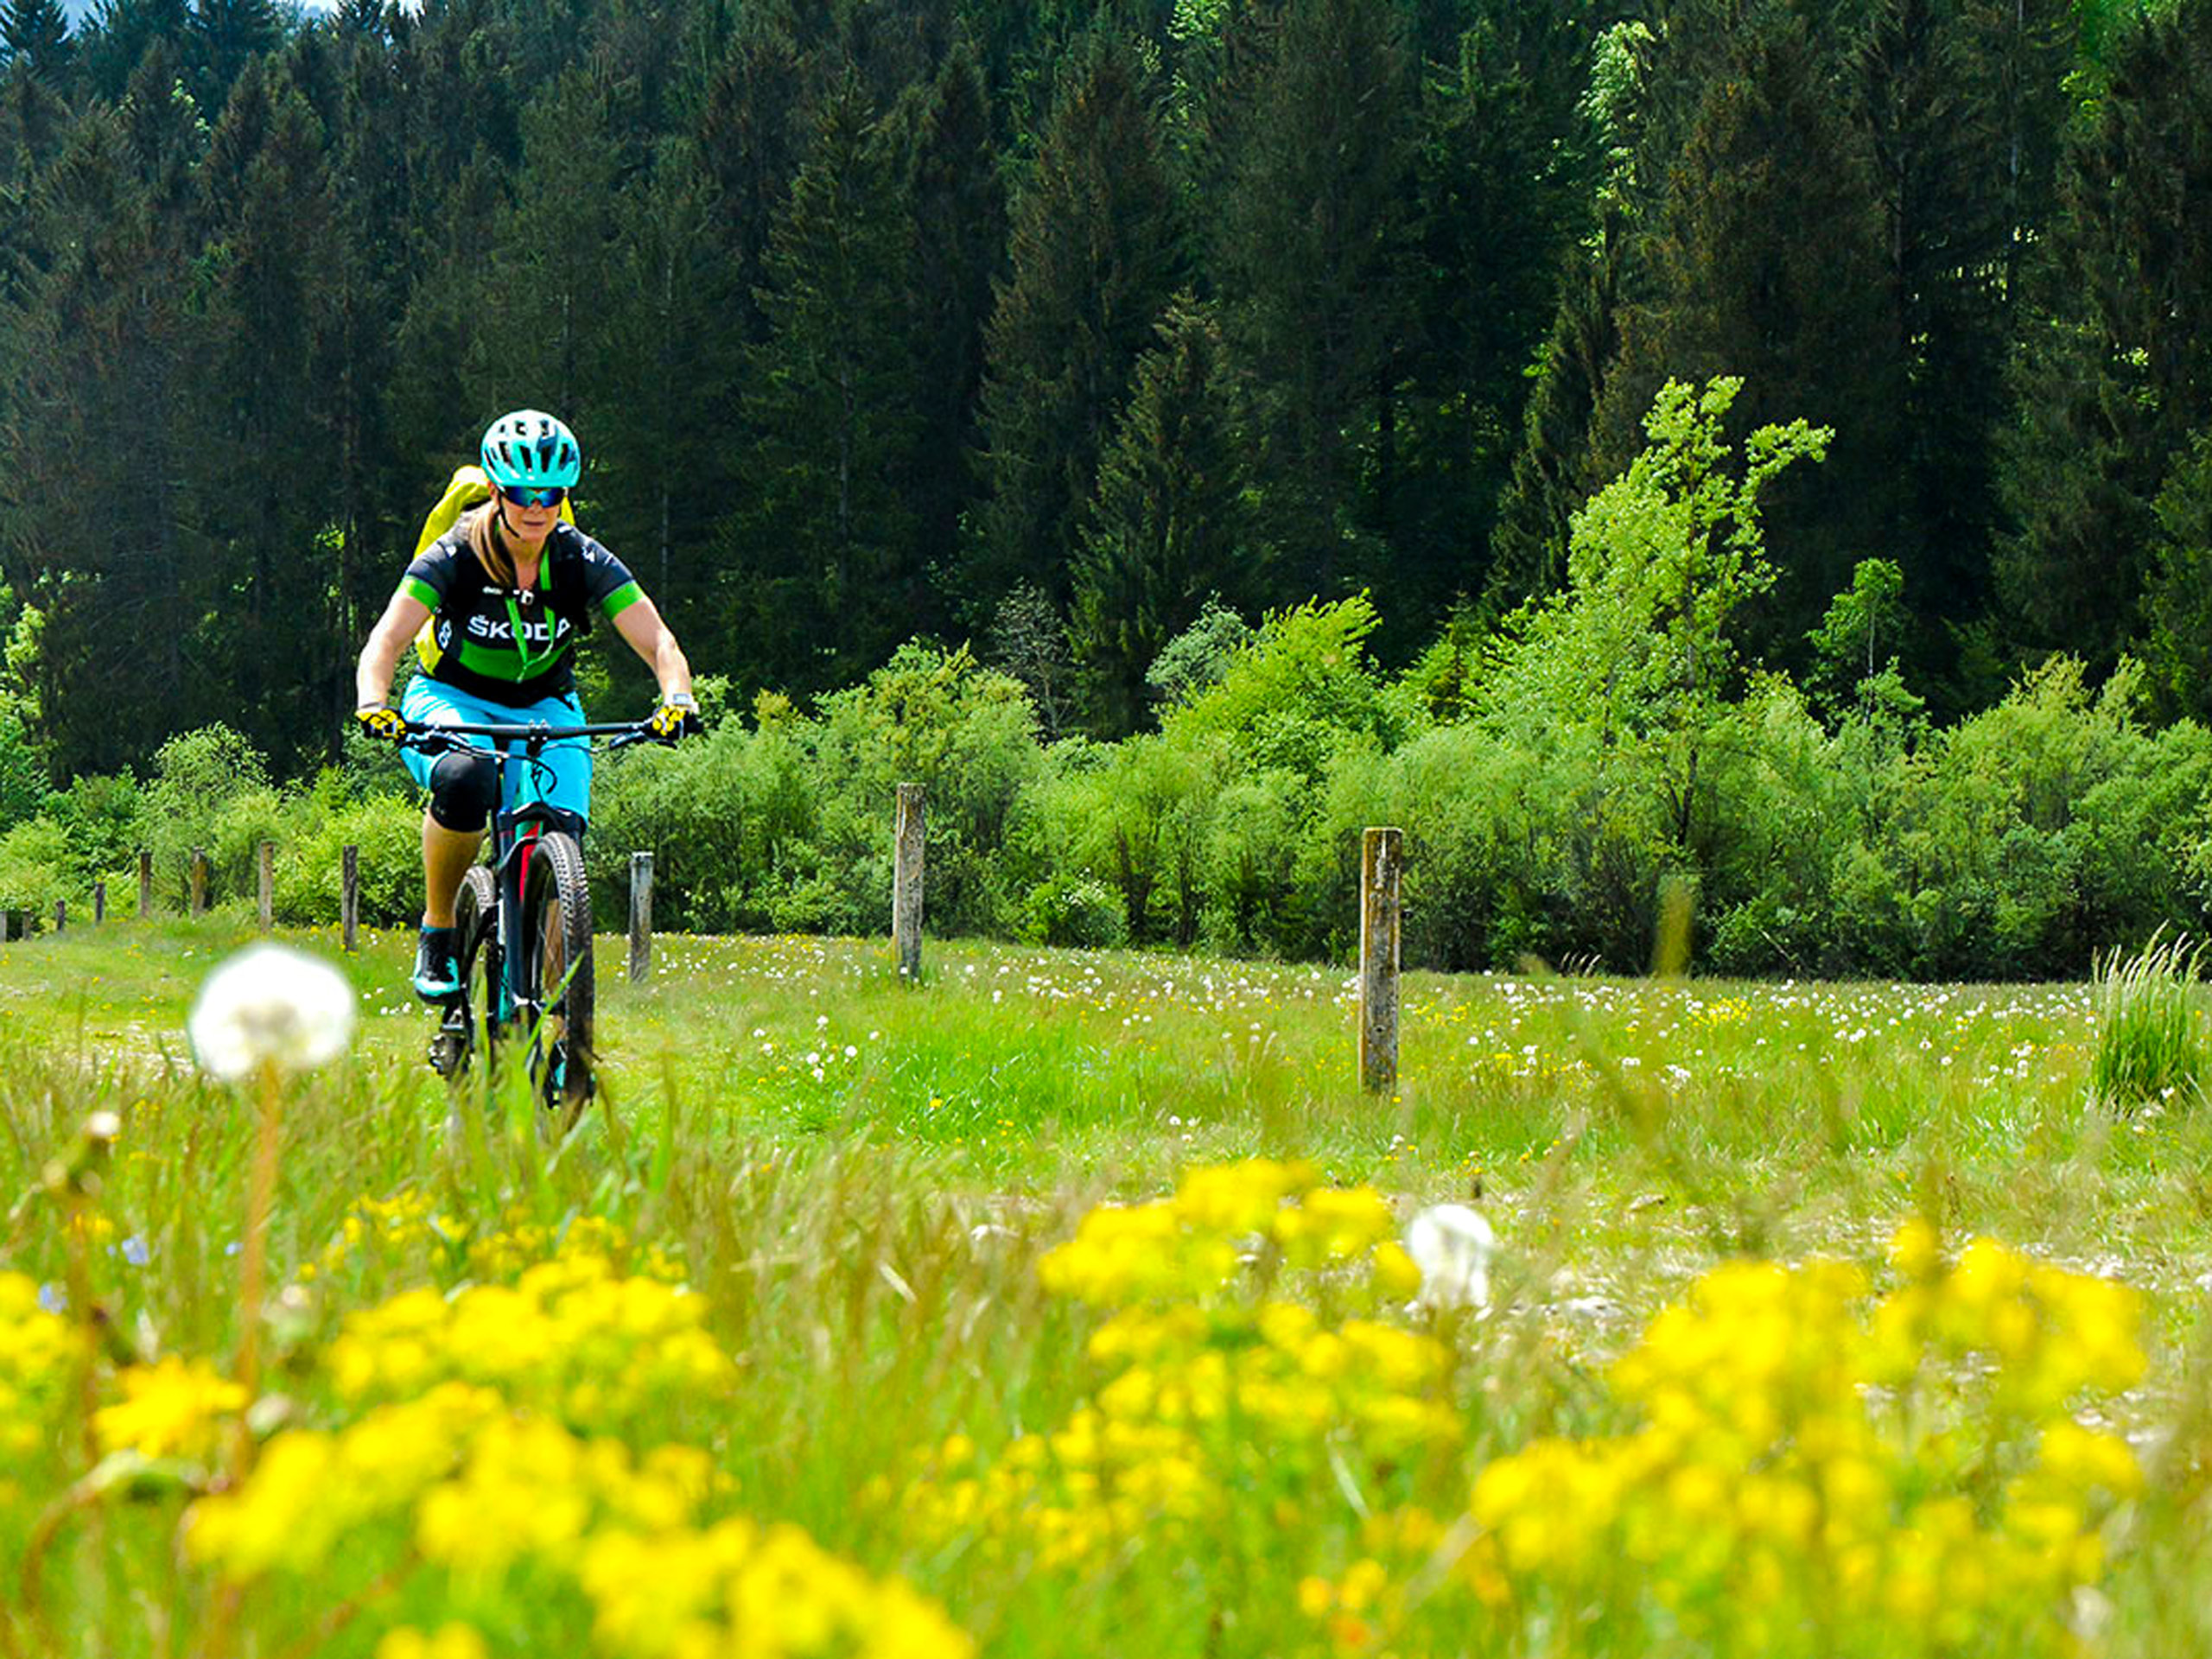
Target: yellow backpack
x=467, y=486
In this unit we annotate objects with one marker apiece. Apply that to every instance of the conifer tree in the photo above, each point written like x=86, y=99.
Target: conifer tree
x=548, y=283
x=262, y=450
x=1757, y=258
x=1551, y=475
x=1312, y=255
x=664, y=396
x=34, y=121
x=1095, y=254
x=1502, y=183
x=1170, y=526
x=2112, y=381
x=226, y=34
x=36, y=36
x=1961, y=101
x=368, y=269
x=93, y=430
x=119, y=34
x=959, y=208
x=823, y=564
x=752, y=133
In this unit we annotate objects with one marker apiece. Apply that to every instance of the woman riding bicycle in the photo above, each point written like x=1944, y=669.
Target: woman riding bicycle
x=506, y=592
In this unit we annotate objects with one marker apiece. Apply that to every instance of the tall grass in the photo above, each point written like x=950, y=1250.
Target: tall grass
x=857, y=1179
x=2149, y=1043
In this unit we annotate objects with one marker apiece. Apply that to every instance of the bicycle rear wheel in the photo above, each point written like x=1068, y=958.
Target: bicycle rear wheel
x=556, y=964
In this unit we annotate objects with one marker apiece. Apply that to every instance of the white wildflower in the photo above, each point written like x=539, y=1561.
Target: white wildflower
x=270, y=1005
x=1451, y=1246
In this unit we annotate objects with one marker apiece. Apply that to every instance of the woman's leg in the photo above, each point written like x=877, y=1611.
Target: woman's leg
x=447, y=855
x=464, y=792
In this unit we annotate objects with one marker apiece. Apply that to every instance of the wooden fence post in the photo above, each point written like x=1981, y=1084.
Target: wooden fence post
x=350, y=897
x=1380, y=863
x=62, y=915
x=268, y=885
x=199, y=880
x=7, y=928
x=641, y=916
x=145, y=884
x=99, y=902
x=907, y=884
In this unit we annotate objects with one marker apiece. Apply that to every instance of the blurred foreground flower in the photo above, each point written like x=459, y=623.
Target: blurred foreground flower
x=1452, y=1245
x=270, y=1005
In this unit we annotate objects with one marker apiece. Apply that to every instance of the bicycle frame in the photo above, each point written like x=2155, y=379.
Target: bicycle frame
x=513, y=832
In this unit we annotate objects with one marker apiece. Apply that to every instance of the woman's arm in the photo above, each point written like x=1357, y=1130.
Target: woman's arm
x=649, y=637
x=402, y=621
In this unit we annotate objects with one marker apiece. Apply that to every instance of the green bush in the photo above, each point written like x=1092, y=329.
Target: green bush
x=1248, y=862
x=967, y=735
x=104, y=819
x=310, y=861
x=196, y=776
x=35, y=868
x=1077, y=911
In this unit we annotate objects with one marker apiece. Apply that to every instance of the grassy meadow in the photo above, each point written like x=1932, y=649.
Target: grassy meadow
x=1056, y=1306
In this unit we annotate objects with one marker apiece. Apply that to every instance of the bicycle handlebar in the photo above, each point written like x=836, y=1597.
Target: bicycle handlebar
x=425, y=734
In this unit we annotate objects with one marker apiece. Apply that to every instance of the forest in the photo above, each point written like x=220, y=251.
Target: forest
x=1620, y=365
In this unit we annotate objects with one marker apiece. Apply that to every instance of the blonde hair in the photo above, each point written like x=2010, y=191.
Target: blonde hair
x=481, y=526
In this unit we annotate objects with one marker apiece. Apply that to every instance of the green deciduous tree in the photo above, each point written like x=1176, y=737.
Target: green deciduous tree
x=1645, y=647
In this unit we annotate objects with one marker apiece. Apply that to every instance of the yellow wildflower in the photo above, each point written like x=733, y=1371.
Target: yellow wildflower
x=170, y=1409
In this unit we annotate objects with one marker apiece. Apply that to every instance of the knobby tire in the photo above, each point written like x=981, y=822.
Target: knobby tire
x=476, y=937
x=557, y=961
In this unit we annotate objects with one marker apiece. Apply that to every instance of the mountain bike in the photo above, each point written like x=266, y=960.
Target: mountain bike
x=522, y=922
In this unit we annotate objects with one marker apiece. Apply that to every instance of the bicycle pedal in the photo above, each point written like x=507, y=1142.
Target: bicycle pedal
x=448, y=1053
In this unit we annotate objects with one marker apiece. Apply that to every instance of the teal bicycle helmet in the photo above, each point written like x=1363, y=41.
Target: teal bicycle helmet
x=531, y=448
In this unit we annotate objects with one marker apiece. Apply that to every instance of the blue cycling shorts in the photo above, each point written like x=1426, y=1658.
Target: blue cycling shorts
x=562, y=776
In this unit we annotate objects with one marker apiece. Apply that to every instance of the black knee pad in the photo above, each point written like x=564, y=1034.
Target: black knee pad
x=464, y=788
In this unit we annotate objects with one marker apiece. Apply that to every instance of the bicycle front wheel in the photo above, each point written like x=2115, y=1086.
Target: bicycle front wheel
x=476, y=938
x=556, y=964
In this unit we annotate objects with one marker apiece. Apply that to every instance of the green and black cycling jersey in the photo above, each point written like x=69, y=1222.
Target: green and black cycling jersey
x=509, y=646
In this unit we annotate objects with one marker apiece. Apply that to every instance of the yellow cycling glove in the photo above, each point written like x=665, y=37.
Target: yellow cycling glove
x=376, y=721
x=678, y=716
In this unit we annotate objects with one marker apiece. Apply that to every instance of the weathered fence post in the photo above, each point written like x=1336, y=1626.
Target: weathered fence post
x=199, y=880
x=1379, y=862
x=268, y=895
x=100, y=903
x=641, y=916
x=349, y=903
x=907, y=884
x=145, y=884
x=9, y=930
x=62, y=915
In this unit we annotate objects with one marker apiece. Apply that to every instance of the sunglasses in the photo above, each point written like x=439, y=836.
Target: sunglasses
x=522, y=496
